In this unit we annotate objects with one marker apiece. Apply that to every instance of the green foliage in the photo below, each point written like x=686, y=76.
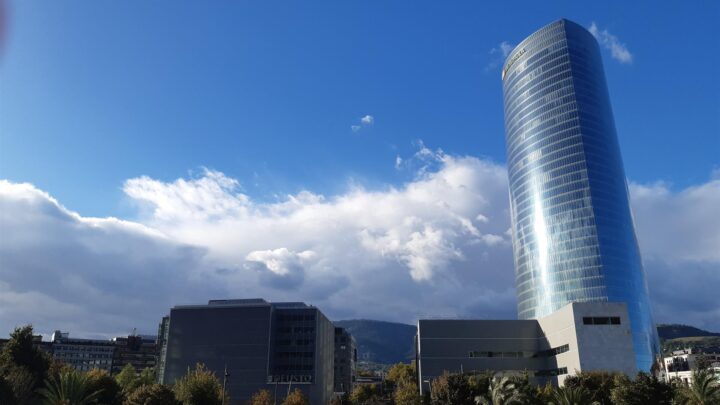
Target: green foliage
x=199, y=387
x=296, y=397
x=571, y=396
x=22, y=365
x=152, y=394
x=110, y=391
x=450, y=389
x=19, y=351
x=598, y=384
x=644, y=389
x=407, y=392
x=705, y=390
x=502, y=391
x=401, y=372
x=544, y=394
x=70, y=388
x=23, y=384
x=365, y=395
x=129, y=380
x=7, y=396
x=262, y=397
x=479, y=383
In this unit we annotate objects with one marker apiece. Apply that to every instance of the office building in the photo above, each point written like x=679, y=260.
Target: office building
x=681, y=364
x=82, y=354
x=345, y=361
x=138, y=351
x=572, y=229
x=578, y=337
x=262, y=345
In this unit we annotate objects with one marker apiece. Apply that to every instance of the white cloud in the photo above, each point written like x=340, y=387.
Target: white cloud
x=505, y=48
x=498, y=55
x=365, y=121
x=618, y=50
x=435, y=246
x=90, y=275
x=679, y=236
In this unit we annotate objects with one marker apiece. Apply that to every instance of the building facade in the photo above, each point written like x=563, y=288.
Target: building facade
x=262, y=345
x=681, y=364
x=345, y=361
x=573, y=233
x=83, y=354
x=138, y=351
x=578, y=337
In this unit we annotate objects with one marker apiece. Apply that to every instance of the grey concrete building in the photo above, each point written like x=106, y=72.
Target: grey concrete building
x=577, y=337
x=345, y=361
x=262, y=345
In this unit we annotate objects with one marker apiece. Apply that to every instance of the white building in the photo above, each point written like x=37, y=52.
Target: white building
x=681, y=364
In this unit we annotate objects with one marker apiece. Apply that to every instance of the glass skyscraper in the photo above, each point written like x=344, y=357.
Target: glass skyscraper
x=573, y=234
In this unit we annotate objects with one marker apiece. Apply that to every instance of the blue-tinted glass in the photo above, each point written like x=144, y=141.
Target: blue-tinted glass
x=573, y=234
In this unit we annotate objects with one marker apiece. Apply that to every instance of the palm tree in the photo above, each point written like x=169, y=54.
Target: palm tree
x=705, y=389
x=571, y=396
x=69, y=388
x=502, y=391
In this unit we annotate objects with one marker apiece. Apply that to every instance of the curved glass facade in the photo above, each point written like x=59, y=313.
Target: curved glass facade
x=573, y=234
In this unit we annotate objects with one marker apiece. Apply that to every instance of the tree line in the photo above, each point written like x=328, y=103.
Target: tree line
x=29, y=376
x=584, y=388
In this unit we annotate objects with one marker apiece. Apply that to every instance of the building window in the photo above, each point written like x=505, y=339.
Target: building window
x=601, y=320
x=552, y=372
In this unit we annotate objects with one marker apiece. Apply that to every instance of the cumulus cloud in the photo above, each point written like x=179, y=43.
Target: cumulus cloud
x=91, y=275
x=280, y=267
x=618, y=50
x=435, y=246
x=365, y=121
x=679, y=236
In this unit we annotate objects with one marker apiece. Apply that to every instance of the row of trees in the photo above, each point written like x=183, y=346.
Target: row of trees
x=602, y=388
x=29, y=376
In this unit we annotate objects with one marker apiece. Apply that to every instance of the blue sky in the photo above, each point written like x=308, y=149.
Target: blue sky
x=155, y=153
x=95, y=92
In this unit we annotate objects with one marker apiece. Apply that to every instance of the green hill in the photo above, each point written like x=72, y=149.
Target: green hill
x=676, y=337
x=675, y=331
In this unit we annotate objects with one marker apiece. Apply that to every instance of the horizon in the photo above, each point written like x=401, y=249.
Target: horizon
x=350, y=156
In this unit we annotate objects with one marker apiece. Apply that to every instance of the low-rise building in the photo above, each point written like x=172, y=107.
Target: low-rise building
x=681, y=364
x=577, y=337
